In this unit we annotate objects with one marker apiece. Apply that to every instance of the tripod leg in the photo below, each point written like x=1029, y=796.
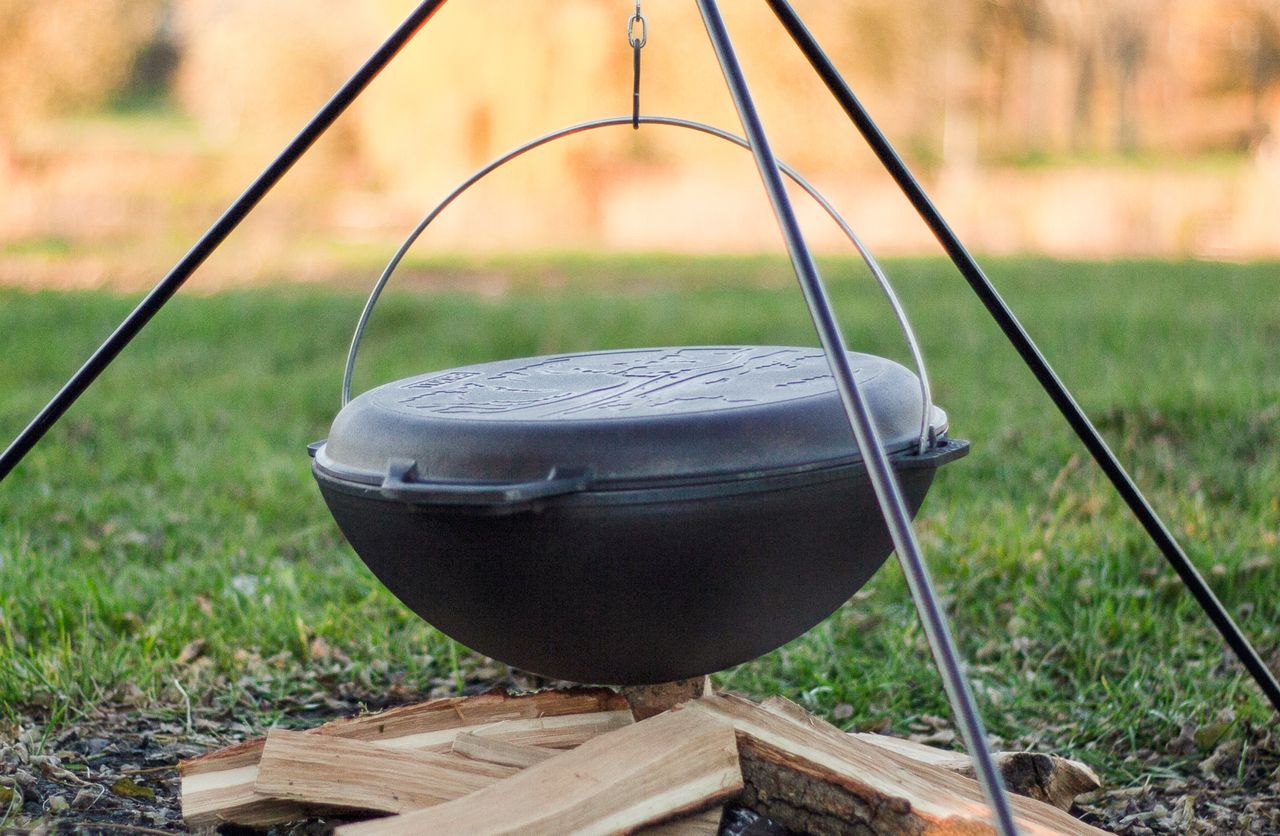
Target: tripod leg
x=213, y=238
x=883, y=479
x=1031, y=355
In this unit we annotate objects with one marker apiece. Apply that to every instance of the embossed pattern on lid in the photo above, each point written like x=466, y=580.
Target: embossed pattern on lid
x=623, y=384
x=632, y=416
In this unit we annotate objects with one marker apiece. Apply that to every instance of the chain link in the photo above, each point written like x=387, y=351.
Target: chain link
x=637, y=42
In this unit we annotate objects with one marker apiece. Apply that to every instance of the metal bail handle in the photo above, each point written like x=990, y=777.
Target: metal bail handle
x=877, y=272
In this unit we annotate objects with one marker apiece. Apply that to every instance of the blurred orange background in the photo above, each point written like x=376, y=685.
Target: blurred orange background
x=1074, y=128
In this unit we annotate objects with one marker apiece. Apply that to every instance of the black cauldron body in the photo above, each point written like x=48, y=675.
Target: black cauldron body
x=625, y=516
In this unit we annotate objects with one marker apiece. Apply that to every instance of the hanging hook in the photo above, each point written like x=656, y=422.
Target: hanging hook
x=637, y=43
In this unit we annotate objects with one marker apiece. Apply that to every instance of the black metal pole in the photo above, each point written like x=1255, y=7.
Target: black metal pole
x=213, y=237
x=883, y=479
x=1031, y=355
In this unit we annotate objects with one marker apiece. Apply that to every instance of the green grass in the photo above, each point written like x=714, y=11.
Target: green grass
x=175, y=503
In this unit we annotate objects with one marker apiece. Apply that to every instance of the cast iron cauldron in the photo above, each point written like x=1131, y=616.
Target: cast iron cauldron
x=625, y=516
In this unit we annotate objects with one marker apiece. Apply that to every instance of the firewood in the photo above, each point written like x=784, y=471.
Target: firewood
x=706, y=823
x=219, y=787
x=1047, y=778
x=811, y=777
x=491, y=750
x=649, y=700
x=563, y=732
x=645, y=773
x=323, y=772
x=431, y=726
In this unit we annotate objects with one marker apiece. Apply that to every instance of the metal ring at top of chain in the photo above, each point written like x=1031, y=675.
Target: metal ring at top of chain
x=637, y=43
x=874, y=266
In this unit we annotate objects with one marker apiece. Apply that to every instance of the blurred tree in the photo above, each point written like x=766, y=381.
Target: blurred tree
x=958, y=85
x=252, y=72
x=1080, y=31
x=1022, y=29
x=1128, y=27
x=67, y=56
x=1252, y=61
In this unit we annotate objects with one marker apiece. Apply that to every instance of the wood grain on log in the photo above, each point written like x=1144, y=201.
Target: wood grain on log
x=645, y=773
x=1047, y=778
x=561, y=732
x=810, y=776
x=324, y=772
x=431, y=726
x=219, y=787
x=650, y=700
x=491, y=750
x=706, y=823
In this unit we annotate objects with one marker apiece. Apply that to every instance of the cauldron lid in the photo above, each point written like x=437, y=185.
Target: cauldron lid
x=631, y=417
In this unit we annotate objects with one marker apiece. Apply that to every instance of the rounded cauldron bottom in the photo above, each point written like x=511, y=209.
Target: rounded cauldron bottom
x=629, y=587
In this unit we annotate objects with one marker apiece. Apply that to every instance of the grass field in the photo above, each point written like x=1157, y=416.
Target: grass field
x=174, y=502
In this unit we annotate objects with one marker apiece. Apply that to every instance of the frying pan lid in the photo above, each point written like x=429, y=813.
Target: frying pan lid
x=634, y=416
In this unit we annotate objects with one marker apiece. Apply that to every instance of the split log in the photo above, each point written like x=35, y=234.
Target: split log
x=487, y=749
x=642, y=774
x=478, y=747
x=562, y=732
x=706, y=823
x=650, y=700
x=431, y=726
x=811, y=777
x=327, y=773
x=219, y=787
x=437, y=757
x=1047, y=778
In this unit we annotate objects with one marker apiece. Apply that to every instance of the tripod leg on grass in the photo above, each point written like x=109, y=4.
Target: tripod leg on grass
x=888, y=494
x=1030, y=353
x=213, y=237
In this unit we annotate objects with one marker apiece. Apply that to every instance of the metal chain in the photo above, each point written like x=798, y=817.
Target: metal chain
x=637, y=43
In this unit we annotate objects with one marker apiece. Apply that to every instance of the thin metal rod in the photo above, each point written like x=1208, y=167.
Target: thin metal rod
x=883, y=479
x=213, y=237
x=877, y=272
x=1022, y=342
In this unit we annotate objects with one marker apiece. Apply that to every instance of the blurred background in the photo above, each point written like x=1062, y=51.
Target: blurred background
x=1071, y=128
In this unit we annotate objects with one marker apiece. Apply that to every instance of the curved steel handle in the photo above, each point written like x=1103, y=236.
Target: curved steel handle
x=401, y=483
x=874, y=266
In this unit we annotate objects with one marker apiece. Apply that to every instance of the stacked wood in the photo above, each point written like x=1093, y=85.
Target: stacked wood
x=352, y=775
x=670, y=764
x=1047, y=778
x=219, y=787
x=648, y=700
x=576, y=761
x=811, y=777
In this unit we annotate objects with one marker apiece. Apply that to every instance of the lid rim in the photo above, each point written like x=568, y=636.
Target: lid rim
x=369, y=478
x=636, y=417
x=948, y=450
